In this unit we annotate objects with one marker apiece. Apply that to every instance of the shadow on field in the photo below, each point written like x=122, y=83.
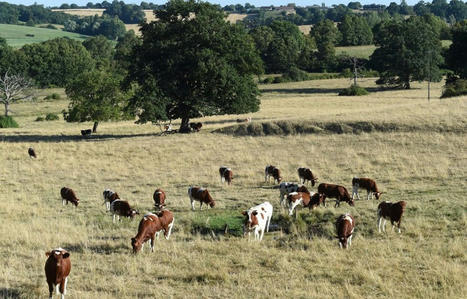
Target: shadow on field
x=9, y=293
x=70, y=138
x=320, y=90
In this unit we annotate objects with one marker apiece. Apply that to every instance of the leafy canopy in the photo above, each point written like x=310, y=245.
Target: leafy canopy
x=193, y=63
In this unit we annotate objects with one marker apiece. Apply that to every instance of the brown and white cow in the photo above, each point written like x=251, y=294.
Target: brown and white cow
x=202, y=195
x=304, y=199
x=272, y=171
x=226, y=174
x=258, y=219
x=150, y=227
x=244, y=120
x=391, y=211
x=340, y=193
x=365, y=183
x=345, y=225
x=122, y=208
x=305, y=174
x=69, y=195
x=159, y=198
x=196, y=127
x=109, y=197
x=285, y=188
x=57, y=268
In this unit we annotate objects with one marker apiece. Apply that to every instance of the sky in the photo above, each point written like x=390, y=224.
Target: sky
x=48, y=3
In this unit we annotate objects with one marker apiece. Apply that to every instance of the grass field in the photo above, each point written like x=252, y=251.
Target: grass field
x=426, y=168
x=17, y=35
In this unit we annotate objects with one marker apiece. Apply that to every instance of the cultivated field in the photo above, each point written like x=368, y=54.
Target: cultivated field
x=425, y=167
x=18, y=35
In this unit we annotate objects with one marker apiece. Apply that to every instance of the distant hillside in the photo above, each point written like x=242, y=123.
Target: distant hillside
x=19, y=35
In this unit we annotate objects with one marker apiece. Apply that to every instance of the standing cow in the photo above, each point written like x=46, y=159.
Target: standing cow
x=272, y=171
x=150, y=227
x=226, y=174
x=340, y=193
x=159, y=199
x=365, y=183
x=68, y=195
x=345, y=225
x=258, y=219
x=109, y=197
x=391, y=211
x=305, y=174
x=57, y=268
x=202, y=195
x=122, y=208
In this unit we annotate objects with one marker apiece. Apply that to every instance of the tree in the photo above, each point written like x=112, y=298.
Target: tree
x=193, y=63
x=95, y=96
x=457, y=54
x=101, y=50
x=12, y=89
x=354, y=5
x=408, y=50
x=10, y=59
x=325, y=34
x=57, y=61
x=355, y=31
x=123, y=50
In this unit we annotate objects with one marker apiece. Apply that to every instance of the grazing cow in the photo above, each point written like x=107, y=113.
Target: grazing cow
x=109, y=197
x=196, y=126
x=86, y=132
x=340, y=193
x=150, y=227
x=272, y=171
x=391, y=211
x=285, y=188
x=159, y=198
x=345, y=225
x=226, y=174
x=69, y=195
x=202, y=195
x=32, y=153
x=244, y=120
x=305, y=174
x=57, y=268
x=365, y=183
x=305, y=199
x=257, y=219
x=122, y=208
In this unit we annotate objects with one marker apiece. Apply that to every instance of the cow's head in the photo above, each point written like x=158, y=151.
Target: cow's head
x=351, y=202
x=76, y=202
x=132, y=213
x=250, y=221
x=343, y=240
x=313, y=180
x=377, y=194
x=136, y=244
x=58, y=255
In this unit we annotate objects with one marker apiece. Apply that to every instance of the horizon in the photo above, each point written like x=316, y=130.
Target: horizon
x=257, y=3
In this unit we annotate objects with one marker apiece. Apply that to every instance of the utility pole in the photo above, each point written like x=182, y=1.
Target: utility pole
x=429, y=74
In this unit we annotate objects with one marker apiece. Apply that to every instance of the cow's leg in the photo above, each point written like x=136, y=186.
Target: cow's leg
x=268, y=223
x=51, y=289
x=368, y=195
x=384, y=225
x=380, y=219
x=170, y=229
x=63, y=287
x=350, y=240
x=152, y=244
x=340, y=244
x=157, y=234
x=200, y=205
x=399, y=226
x=262, y=234
x=192, y=203
x=338, y=202
x=113, y=218
x=63, y=202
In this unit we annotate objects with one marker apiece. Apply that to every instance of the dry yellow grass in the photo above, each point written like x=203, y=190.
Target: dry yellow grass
x=427, y=169
x=83, y=12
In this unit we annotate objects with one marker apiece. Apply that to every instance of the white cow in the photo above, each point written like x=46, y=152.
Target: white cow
x=258, y=219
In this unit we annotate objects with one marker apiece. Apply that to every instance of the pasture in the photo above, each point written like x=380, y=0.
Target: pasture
x=425, y=166
x=19, y=35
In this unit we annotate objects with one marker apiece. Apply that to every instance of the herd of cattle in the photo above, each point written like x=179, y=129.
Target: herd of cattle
x=257, y=219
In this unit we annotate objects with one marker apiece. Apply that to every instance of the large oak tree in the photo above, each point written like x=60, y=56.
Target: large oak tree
x=193, y=63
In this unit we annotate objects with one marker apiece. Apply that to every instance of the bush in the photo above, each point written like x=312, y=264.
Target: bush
x=8, y=122
x=455, y=88
x=353, y=90
x=53, y=96
x=39, y=118
x=51, y=116
x=50, y=26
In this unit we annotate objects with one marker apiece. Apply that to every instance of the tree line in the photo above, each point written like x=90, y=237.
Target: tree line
x=185, y=67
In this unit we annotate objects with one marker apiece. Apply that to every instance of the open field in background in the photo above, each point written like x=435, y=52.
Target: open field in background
x=425, y=168
x=16, y=35
x=357, y=51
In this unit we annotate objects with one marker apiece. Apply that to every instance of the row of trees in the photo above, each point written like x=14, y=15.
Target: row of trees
x=110, y=27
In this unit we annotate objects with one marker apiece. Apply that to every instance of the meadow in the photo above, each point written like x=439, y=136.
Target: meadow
x=19, y=35
x=299, y=258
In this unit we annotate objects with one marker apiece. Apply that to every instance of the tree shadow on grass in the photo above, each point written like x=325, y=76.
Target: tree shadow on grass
x=322, y=90
x=70, y=138
x=9, y=293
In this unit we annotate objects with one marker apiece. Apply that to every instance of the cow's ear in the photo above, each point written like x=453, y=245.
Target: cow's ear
x=255, y=213
x=244, y=213
x=66, y=255
x=47, y=253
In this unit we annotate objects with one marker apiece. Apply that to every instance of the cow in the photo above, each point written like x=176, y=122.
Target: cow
x=285, y=188
x=365, y=183
x=196, y=126
x=305, y=174
x=32, y=153
x=226, y=175
x=202, y=195
x=391, y=211
x=109, y=197
x=244, y=120
x=272, y=171
x=159, y=198
x=87, y=132
x=122, y=208
x=168, y=128
x=150, y=227
x=305, y=199
x=345, y=225
x=340, y=193
x=69, y=195
x=57, y=268
x=257, y=219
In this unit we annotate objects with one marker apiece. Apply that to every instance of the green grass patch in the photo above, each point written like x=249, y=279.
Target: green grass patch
x=354, y=90
x=18, y=35
x=356, y=51
x=8, y=122
x=216, y=221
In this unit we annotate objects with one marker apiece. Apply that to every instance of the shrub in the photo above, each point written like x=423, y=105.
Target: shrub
x=39, y=118
x=268, y=80
x=50, y=26
x=53, y=96
x=455, y=88
x=8, y=122
x=51, y=116
x=353, y=90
